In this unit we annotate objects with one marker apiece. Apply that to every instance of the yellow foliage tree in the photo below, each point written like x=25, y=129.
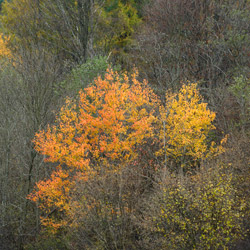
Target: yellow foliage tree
x=186, y=124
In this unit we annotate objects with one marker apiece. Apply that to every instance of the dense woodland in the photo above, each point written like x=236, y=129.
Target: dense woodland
x=124, y=124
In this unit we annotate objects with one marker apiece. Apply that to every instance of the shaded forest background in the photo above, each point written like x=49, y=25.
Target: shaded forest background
x=161, y=196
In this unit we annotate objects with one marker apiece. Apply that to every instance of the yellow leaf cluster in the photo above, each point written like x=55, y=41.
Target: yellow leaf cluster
x=187, y=124
x=4, y=51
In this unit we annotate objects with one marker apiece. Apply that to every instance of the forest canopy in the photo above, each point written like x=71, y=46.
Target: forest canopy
x=124, y=124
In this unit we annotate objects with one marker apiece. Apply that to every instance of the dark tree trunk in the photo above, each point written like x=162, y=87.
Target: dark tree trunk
x=84, y=7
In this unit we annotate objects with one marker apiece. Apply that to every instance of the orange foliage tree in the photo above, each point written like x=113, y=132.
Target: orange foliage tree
x=102, y=128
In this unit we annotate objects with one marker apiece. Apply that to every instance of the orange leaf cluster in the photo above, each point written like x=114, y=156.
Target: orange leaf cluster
x=106, y=123
x=110, y=118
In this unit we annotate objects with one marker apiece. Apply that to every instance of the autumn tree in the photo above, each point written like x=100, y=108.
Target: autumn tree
x=186, y=123
x=102, y=129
